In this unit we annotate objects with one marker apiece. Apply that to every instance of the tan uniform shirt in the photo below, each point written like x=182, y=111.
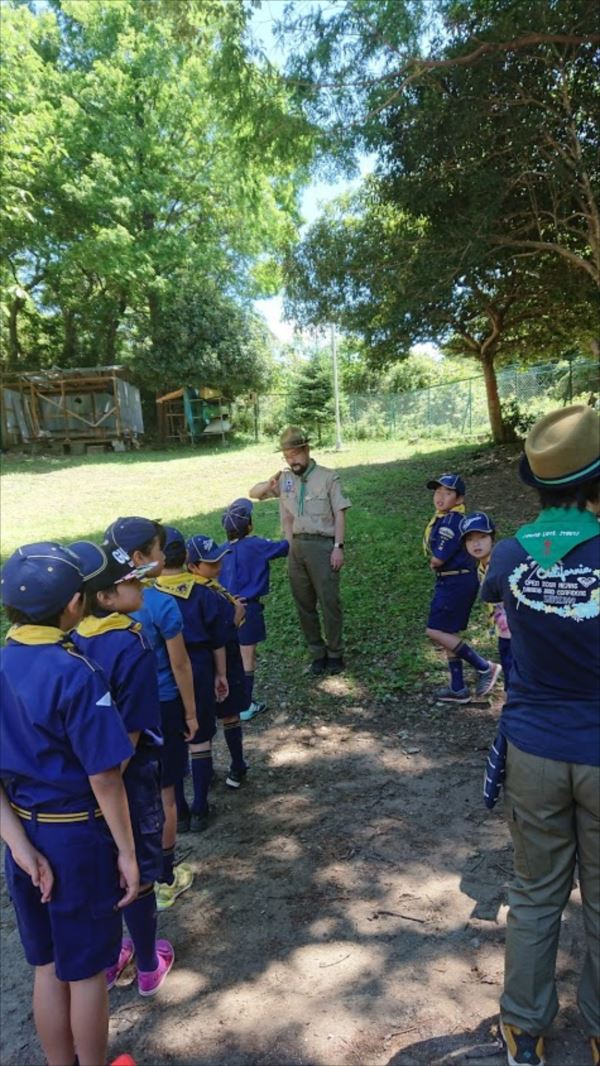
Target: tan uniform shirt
x=323, y=496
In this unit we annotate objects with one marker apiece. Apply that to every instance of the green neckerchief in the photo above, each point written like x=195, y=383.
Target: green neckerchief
x=33, y=634
x=303, y=481
x=555, y=532
x=94, y=626
x=460, y=508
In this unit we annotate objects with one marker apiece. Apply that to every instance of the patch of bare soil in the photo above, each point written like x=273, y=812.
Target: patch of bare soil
x=349, y=903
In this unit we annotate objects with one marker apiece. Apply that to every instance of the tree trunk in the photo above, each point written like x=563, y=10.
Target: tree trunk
x=14, y=346
x=111, y=331
x=70, y=337
x=499, y=431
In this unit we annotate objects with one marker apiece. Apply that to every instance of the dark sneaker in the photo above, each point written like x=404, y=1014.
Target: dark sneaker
x=335, y=666
x=450, y=695
x=235, y=778
x=522, y=1049
x=200, y=822
x=318, y=666
x=487, y=679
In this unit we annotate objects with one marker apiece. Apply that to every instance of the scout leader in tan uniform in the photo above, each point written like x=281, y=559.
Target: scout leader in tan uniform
x=313, y=516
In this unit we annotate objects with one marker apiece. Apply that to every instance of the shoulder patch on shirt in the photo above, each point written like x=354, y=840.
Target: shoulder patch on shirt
x=446, y=533
x=105, y=700
x=288, y=483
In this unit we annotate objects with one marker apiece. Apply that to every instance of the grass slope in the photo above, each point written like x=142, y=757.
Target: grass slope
x=386, y=582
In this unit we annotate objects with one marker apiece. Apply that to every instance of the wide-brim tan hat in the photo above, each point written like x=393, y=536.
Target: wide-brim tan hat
x=563, y=448
x=293, y=437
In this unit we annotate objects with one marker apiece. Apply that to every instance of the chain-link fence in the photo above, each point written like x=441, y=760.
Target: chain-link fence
x=454, y=410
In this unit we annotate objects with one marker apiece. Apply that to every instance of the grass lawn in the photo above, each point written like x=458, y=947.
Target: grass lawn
x=386, y=583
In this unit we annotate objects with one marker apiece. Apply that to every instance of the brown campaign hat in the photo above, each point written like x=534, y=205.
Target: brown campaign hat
x=563, y=448
x=293, y=437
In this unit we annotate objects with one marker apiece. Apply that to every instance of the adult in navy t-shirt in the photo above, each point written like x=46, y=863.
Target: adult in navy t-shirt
x=548, y=579
x=552, y=707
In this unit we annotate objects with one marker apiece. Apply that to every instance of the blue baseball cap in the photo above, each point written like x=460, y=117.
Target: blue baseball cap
x=202, y=549
x=448, y=481
x=476, y=522
x=40, y=579
x=131, y=533
x=238, y=516
x=107, y=564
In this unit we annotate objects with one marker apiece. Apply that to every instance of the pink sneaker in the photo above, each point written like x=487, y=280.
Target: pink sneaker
x=150, y=982
x=125, y=956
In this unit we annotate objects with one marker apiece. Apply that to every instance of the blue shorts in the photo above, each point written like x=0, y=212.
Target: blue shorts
x=142, y=782
x=174, y=761
x=203, y=669
x=237, y=700
x=253, y=630
x=79, y=930
x=453, y=599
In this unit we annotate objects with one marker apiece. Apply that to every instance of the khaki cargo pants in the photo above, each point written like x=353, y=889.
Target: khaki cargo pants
x=553, y=813
x=314, y=582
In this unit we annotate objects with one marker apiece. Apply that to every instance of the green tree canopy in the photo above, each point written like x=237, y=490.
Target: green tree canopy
x=145, y=142
x=480, y=229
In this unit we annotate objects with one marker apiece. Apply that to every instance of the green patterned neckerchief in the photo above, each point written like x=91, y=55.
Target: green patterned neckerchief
x=555, y=532
x=303, y=481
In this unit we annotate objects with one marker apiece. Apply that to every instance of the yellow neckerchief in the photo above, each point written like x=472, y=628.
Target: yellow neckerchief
x=149, y=582
x=179, y=585
x=211, y=583
x=32, y=634
x=92, y=626
x=459, y=508
x=482, y=569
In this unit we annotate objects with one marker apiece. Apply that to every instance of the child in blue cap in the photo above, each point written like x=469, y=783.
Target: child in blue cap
x=109, y=634
x=210, y=619
x=143, y=539
x=245, y=573
x=478, y=533
x=455, y=591
x=62, y=745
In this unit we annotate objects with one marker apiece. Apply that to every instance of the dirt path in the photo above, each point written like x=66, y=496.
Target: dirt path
x=348, y=905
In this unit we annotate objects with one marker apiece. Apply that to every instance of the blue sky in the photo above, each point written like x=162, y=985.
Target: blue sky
x=319, y=192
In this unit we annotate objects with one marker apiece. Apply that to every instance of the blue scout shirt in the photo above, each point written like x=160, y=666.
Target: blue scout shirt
x=118, y=645
x=554, y=618
x=445, y=543
x=205, y=620
x=58, y=723
x=161, y=621
x=245, y=572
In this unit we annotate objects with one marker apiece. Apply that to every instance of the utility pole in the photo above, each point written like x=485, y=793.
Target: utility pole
x=336, y=393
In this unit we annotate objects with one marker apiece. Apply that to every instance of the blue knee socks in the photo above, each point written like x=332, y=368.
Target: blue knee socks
x=141, y=920
x=457, y=681
x=233, y=736
x=202, y=771
x=168, y=875
x=183, y=809
x=463, y=651
x=248, y=687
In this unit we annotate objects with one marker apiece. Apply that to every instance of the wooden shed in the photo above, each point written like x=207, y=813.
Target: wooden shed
x=75, y=408
x=186, y=414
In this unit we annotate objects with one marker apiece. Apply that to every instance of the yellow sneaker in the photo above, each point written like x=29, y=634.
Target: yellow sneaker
x=167, y=894
x=522, y=1049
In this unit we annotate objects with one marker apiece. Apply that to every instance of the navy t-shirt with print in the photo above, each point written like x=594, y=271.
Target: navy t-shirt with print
x=552, y=708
